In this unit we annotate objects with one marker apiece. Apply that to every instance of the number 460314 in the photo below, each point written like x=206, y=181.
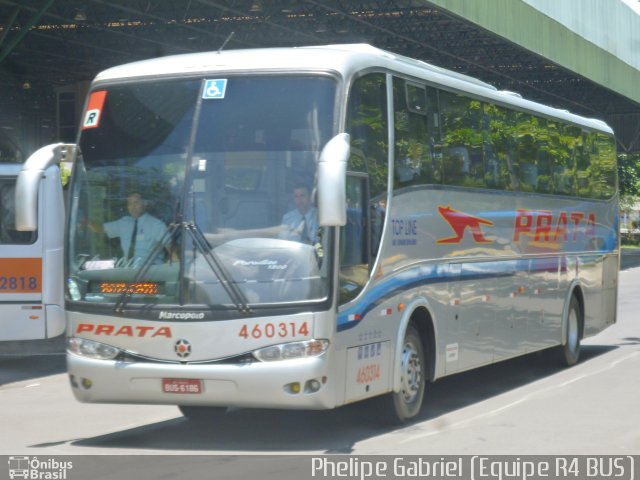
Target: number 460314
x=274, y=330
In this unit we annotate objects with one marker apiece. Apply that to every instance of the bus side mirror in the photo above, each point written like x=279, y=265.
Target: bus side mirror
x=28, y=181
x=332, y=178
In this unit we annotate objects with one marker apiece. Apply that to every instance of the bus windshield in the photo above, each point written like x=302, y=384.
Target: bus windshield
x=200, y=192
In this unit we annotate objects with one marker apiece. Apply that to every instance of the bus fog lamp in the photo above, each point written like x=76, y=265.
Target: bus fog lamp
x=293, y=388
x=91, y=349
x=312, y=386
x=288, y=351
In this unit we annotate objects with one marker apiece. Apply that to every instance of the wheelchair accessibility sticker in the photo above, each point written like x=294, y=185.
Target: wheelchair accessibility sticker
x=214, y=88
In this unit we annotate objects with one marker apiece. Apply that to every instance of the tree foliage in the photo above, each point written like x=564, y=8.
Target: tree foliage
x=629, y=179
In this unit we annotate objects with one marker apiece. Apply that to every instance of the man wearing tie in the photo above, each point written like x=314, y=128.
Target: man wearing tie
x=139, y=231
x=301, y=223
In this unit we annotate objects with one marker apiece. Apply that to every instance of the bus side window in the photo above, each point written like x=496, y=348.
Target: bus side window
x=415, y=114
x=497, y=128
x=605, y=162
x=462, y=140
x=526, y=165
x=354, y=242
x=8, y=233
x=367, y=124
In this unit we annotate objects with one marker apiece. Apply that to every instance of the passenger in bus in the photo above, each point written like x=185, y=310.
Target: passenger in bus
x=139, y=232
x=301, y=223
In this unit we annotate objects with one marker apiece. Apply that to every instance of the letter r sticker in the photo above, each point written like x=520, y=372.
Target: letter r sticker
x=94, y=109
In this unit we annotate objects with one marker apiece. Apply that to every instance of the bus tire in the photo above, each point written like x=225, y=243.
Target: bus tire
x=201, y=414
x=569, y=353
x=407, y=402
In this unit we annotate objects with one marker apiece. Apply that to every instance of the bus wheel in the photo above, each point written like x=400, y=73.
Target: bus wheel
x=202, y=414
x=407, y=402
x=570, y=351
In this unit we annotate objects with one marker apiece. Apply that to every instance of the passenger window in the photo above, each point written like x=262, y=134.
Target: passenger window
x=525, y=164
x=561, y=156
x=498, y=147
x=582, y=171
x=8, y=233
x=462, y=140
x=606, y=161
x=415, y=123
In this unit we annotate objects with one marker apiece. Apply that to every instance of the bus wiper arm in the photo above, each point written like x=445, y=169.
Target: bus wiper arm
x=169, y=234
x=235, y=294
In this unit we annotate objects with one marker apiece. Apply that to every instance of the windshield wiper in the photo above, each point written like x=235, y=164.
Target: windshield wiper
x=169, y=234
x=233, y=291
x=235, y=294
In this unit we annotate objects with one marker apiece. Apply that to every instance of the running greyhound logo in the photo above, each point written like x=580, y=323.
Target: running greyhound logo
x=459, y=222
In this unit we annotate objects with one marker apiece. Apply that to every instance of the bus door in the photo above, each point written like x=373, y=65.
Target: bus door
x=355, y=254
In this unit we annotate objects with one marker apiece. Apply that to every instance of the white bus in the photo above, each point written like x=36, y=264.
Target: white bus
x=454, y=226
x=31, y=262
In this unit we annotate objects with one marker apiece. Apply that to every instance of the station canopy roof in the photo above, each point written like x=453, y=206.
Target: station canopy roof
x=46, y=44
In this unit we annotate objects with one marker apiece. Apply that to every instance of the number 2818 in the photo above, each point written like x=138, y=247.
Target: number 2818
x=18, y=283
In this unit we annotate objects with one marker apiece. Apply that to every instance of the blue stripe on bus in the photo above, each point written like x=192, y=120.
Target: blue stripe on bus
x=443, y=273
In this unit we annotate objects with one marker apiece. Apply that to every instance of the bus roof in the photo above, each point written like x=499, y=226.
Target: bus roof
x=343, y=59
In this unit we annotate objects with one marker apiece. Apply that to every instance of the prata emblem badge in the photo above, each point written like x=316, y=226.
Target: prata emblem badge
x=182, y=348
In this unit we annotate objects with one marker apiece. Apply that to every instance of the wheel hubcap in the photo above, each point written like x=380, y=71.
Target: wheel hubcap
x=411, y=373
x=572, y=334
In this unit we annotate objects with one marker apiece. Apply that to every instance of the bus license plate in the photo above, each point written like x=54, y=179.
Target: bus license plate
x=181, y=385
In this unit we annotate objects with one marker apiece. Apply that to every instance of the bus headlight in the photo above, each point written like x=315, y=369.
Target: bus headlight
x=286, y=351
x=91, y=349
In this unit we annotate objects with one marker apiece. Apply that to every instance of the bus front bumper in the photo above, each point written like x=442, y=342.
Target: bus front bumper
x=295, y=384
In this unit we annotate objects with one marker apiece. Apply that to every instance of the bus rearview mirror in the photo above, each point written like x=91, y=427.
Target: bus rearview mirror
x=28, y=181
x=332, y=175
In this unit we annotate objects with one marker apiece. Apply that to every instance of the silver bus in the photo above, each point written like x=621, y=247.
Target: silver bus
x=326, y=225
